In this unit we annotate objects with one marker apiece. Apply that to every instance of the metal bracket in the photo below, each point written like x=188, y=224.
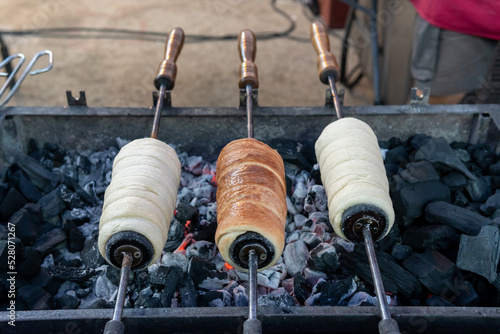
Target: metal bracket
x=420, y=98
x=167, y=100
x=76, y=102
x=243, y=98
x=329, y=97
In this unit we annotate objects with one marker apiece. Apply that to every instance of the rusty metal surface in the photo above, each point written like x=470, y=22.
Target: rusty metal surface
x=319, y=319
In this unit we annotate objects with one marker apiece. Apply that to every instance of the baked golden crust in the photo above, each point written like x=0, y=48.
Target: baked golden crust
x=251, y=195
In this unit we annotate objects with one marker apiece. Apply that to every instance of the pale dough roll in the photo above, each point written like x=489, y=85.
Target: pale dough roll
x=142, y=194
x=251, y=196
x=352, y=171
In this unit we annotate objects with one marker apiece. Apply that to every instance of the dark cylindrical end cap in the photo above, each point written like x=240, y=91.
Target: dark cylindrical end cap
x=114, y=327
x=354, y=219
x=240, y=249
x=252, y=326
x=388, y=326
x=134, y=239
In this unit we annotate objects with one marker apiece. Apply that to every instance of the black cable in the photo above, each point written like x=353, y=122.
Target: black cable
x=148, y=36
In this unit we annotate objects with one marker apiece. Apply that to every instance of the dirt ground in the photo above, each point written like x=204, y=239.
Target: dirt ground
x=120, y=72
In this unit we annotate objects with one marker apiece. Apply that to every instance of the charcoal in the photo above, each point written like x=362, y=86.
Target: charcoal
x=311, y=239
x=483, y=157
x=292, y=152
x=175, y=236
x=462, y=219
x=53, y=203
x=98, y=304
x=75, y=240
x=433, y=270
x=401, y=252
x=495, y=168
x=187, y=292
x=418, y=141
x=175, y=260
x=165, y=275
x=464, y=294
x=90, y=254
x=152, y=302
x=410, y=201
x=397, y=156
x=142, y=279
x=66, y=302
x=362, y=298
x=300, y=290
x=27, y=221
x=480, y=254
x=437, y=301
x=12, y=202
x=73, y=184
x=3, y=191
x=276, y=298
x=205, y=275
x=455, y=180
x=37, y=173
x=76, y=216
x=435, y=237
x=479, y=189
x=25, y=186
x=202, y=249
x=113, y=274
x=295, y=257
x=219, y=298
x=324, y=258
x=103, y=288
x=332, y=293
x=4, y=249
x=33, y=297
x=391, y=169
x=438, y=152
x=419, y=172
x=309, y=226
x=491, y=204
x=72, y=274
x=49, y=241
x=240, y=296
x=316, y=199
x=28, y=262
x=396, y=279
x=72, y=199
x=185, y=212
x=460, y=199
x=313, y=276
x=74, y=263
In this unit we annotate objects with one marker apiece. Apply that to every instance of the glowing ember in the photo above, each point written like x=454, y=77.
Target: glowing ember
x=228, y=266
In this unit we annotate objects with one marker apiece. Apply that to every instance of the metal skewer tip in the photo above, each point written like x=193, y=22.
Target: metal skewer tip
x=335, y=96
x=387, y=325
x=252, y=325
x=115, y=325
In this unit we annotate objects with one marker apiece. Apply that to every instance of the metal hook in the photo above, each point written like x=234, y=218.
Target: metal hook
x=24, y=74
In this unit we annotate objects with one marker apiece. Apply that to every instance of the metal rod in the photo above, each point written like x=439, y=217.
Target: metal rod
x=249, y=110
x=252, y=264
x=377, y=278
x=122, y=288
x=335, y=96
x=159, y=107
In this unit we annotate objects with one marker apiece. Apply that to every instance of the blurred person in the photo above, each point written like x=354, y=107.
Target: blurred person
x=453, y=44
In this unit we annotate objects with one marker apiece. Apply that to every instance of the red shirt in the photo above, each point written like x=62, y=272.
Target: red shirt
x=473, y=17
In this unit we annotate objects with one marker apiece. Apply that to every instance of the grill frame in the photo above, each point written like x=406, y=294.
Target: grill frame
x=202, y=130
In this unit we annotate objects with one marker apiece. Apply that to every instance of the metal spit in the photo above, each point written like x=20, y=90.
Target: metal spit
x=249, y=81
x=126, y=254
x=329, y=73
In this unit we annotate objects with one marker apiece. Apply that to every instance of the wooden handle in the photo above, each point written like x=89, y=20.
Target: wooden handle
x=168, y=69
x=327, y=63
x=247, y=47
